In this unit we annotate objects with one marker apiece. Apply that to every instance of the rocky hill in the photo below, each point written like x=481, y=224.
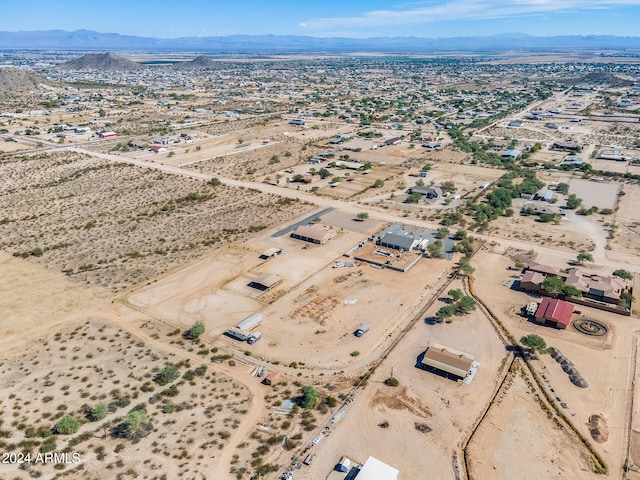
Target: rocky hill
x=101, y=61
x=15, y=81
x=199, y=63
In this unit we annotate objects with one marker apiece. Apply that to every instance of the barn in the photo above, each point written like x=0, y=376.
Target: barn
x=265, y=282
x=554, y=313
x=447, y=360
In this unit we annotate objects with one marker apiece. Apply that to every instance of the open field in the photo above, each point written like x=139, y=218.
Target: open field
x=626, y=239
x=116, y=225
x=110, y=252
x=84, y=351
x=448, y=408
x=600, y=360
x=516, y=421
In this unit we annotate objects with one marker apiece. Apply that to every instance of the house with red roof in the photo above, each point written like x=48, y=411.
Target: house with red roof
x=554, y=313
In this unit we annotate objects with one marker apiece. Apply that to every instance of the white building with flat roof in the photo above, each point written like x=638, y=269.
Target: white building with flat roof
x=374, y=469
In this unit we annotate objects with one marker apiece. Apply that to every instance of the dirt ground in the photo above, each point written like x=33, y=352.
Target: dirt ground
x=135, y=223
x=447, y=407
x=516, y=422
x=626, y=239
x=74, y=351
x=604, y=362
x=312, y=304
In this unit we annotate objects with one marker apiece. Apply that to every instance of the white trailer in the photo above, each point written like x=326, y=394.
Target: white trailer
x=250, y=322
x=237, y=334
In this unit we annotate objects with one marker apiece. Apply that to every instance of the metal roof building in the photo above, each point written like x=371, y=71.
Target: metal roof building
x=399, y=242
x=448, y=360
x=313, y=234
x=554, y=313
x=266, y=281
x=374, y=469
x=511, y=153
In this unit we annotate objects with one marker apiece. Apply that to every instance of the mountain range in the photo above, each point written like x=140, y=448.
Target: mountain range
x=96, y=41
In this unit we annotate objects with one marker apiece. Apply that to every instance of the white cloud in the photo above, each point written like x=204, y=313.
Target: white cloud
x=446, y=10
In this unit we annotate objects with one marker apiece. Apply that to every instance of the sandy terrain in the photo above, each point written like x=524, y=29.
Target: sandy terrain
x=75, y=351
x=602, y=361
x=135, y=223
x=626, y=239
x=516, y=423
x=449, y=408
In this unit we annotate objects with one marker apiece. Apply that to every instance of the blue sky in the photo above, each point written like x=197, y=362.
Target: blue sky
x=325, y=18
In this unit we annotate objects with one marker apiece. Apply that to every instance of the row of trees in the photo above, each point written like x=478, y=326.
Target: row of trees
x=460, y=305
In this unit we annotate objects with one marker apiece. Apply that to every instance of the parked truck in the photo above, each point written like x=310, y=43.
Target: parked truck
x=364, y=328
x=254, y=337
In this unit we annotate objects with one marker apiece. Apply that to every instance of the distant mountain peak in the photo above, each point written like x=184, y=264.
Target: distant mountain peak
x=101, y=61
x=96, y=41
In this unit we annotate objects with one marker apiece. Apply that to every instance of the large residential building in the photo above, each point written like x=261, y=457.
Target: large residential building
x=314, y=233
x=597, y=287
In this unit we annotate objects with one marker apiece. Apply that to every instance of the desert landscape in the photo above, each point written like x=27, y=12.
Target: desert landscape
x=279, y=267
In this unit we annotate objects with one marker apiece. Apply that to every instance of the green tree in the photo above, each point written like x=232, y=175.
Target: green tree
x=573, y=201
x=196, y=330
x=102, y=113
x=553, y=285
x=392, y=382
x=465, y=305
x=324, y=173
x=584, y=257
x=37, y=252
x=572, y=291
x=274, y=159
x=623, y=274
x=413, y=198
x=435, y=249
x=134, y=420
x=443, y=232
x=378, y=183
x=535, y=343
x=167, y=375
x=563, y=188
x=419, y=183
x=465, y=267
x=448, y=186
x=214, y=182
x=445, y=312
x=67, y=425
x=309, y=396
x=627, y=299
x=362, y=216
x=456, y=294
x=98, y=412
x=460, y=235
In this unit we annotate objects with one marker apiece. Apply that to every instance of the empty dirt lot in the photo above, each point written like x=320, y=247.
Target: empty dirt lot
x=116, y=225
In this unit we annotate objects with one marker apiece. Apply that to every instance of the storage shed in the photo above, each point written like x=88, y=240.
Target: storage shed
x=265, y=282
x=448, y=360
x=273, y=378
